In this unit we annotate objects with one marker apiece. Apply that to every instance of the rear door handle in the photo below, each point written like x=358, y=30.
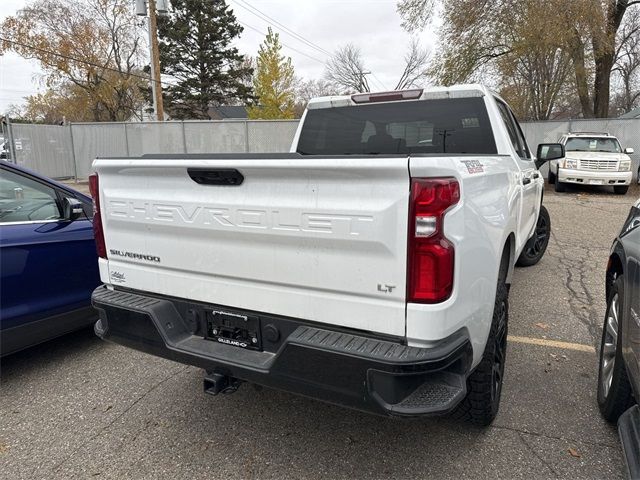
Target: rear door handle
x=217, y=176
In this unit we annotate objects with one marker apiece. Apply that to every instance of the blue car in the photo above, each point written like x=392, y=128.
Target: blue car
x=48, y=261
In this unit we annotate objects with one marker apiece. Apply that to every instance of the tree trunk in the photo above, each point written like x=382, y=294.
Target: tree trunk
x=601, y=85
x=580, y=71
x=604, y=52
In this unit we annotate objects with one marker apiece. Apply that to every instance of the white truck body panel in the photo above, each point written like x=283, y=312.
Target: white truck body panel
x=307, y=239
x=479, y=227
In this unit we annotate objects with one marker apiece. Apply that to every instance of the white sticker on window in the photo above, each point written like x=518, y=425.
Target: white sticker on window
x=471, y=122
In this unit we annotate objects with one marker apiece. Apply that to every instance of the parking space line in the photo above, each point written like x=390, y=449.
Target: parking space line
x=543, y=342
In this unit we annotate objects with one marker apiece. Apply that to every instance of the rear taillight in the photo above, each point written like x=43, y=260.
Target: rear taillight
x=430, y=254
x=98, y=233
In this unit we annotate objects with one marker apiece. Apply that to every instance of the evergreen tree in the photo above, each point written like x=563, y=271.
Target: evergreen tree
x=195, y=48
x=274, y=82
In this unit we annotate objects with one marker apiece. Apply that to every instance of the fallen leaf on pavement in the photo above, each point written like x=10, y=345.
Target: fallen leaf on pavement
x=541, y=325
x=574, y=453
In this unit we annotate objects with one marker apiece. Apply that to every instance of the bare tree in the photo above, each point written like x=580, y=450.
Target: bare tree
x=416, y=62
x=534, y=84
x=346, y=70
x=627, y=65
x=472, y=37
x=416, y=14
x=308, y=89
x=124, y=50
x=92, y=44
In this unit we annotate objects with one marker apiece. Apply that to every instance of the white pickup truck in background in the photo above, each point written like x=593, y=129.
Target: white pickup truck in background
x=370, y=267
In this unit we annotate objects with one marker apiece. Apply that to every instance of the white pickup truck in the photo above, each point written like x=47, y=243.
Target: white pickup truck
x=370, y=267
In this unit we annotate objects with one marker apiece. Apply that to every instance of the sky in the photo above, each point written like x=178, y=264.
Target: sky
x=371, y=25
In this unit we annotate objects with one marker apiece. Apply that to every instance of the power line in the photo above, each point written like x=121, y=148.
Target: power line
x=260, y=14
x=16, y=90
x=86, y=62
x=378, y=81
x=284, y=44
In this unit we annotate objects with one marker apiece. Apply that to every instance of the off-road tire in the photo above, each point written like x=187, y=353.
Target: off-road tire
x=552, y=177
x=536, y=246
x=484, y=385
x=559, y=186
x=621, y=189
x=620, y=396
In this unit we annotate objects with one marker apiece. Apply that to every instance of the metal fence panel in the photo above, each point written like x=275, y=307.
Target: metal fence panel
x=92, y=140
x=215, y=137
x=44, y=148
x=155, y=137
x=52, y=150
x=271, y=136
x=543, y=132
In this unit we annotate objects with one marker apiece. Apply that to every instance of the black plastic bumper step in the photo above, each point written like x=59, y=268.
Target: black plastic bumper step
x=629, y=430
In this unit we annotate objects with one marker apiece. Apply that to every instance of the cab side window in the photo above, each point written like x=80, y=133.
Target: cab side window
x=25, y=200
x=521, y=139
x=515, y=133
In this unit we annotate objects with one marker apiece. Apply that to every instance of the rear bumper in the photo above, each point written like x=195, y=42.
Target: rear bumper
x=594, y=177
x=353, y=370
x=629, y=430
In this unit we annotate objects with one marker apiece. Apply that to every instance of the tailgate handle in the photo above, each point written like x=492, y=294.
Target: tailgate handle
x=218, y=176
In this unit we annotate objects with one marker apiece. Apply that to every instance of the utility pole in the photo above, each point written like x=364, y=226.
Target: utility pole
x=152, y=73
x=364, y=86
x=148, y=8
x=155, y=62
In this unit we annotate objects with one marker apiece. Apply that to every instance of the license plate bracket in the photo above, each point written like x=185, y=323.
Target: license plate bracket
x=234, y=329
x=596, y=182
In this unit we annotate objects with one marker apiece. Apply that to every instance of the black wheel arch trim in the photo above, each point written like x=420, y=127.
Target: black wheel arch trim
x=615, y=267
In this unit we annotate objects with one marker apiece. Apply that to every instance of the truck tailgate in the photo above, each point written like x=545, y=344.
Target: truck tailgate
x=320, y=239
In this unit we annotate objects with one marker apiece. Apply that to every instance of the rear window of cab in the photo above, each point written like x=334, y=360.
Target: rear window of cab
x=453, y=126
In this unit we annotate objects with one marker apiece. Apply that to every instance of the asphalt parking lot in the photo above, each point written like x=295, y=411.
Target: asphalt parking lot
x=77, y=407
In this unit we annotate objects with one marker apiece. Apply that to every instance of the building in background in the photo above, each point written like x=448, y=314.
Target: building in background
x=227, y=112
x=635, y=113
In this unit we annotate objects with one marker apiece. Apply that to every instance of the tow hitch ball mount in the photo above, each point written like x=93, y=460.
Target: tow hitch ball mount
x=215, y=383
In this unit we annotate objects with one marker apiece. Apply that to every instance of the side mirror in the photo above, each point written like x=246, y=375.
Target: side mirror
x=628, y=151
x=548, y=151
x=72, y=208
